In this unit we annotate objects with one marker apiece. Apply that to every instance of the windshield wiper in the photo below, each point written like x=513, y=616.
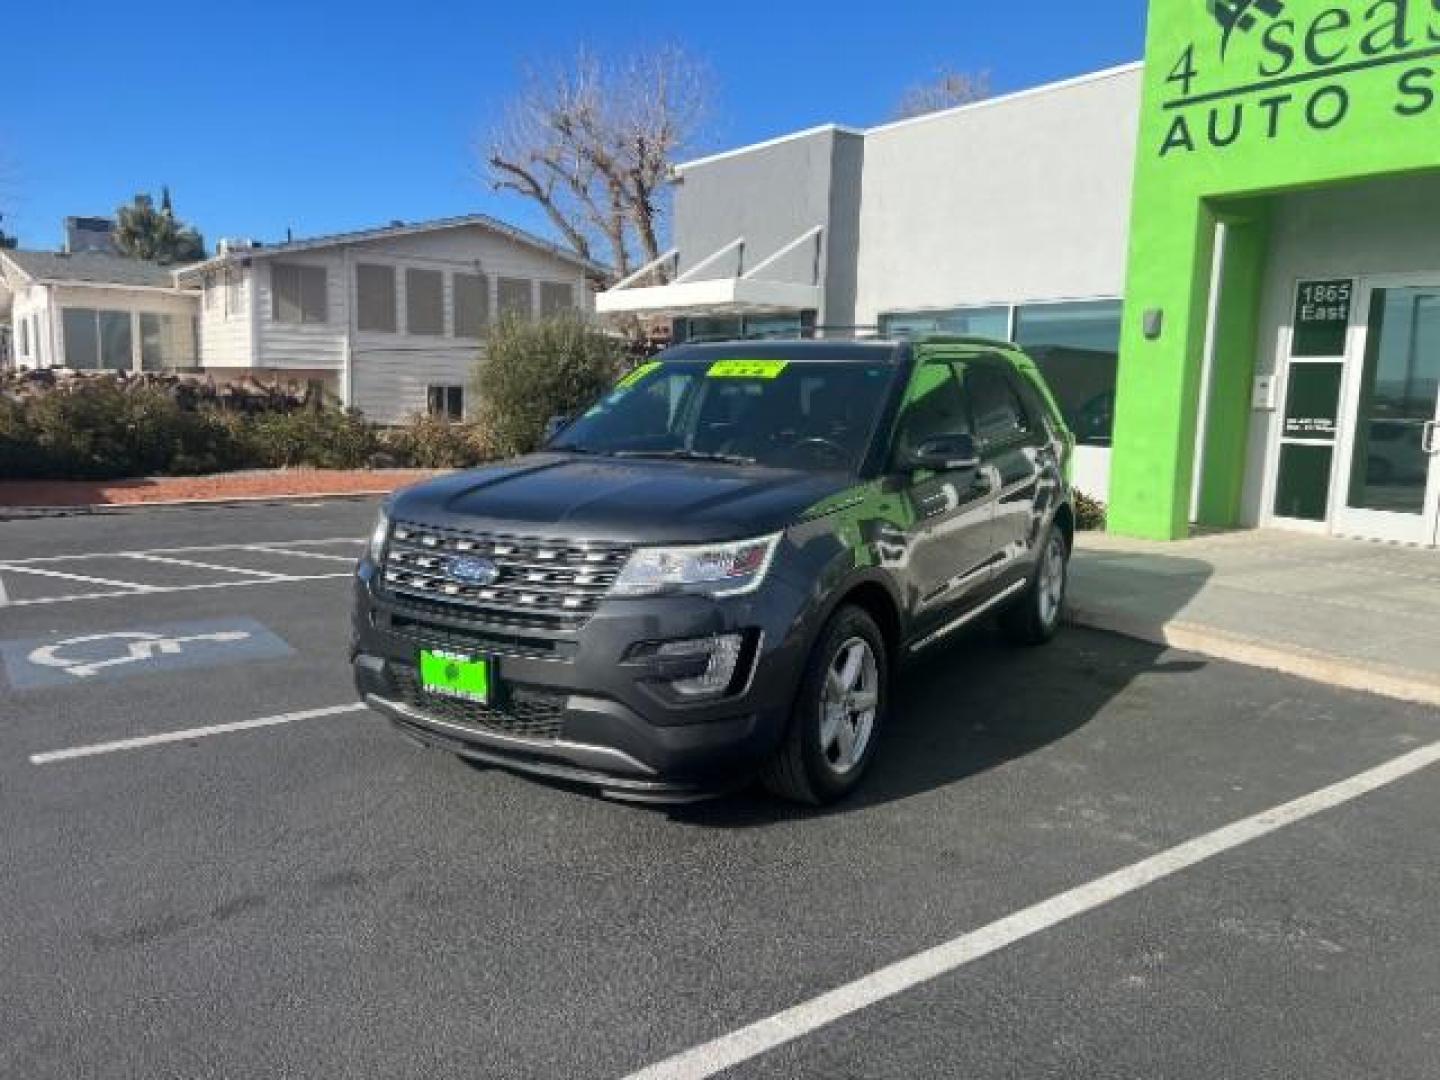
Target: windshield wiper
x=687, y=455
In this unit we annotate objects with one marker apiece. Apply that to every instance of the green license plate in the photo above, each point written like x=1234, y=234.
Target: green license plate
x=455, y=675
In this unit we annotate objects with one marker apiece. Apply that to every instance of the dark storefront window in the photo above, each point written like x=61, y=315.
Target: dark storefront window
x=988, y=322
x=739, y=327
x=1077, y=348
x=1303, y=487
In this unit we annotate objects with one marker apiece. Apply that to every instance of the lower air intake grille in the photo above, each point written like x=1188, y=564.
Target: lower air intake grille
x=526, y=714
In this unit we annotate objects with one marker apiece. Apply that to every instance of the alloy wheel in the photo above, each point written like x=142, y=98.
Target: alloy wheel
x=1052, y=580
x=848, y=705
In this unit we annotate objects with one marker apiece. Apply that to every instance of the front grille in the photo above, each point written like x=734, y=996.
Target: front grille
x=528, y=714
x=548, y=584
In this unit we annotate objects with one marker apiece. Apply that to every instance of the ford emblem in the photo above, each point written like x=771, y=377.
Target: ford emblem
x=468, y=570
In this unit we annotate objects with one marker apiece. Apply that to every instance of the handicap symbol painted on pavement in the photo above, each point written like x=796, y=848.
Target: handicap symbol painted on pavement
x=87, y=658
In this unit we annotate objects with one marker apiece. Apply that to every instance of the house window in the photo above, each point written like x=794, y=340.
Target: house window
x=513, y=298
x=424, y=301
x=447, y=402
x=298, y=293
x=375, y=298
x=472, y=304
x=97, y=340
x=166, y=341
x=234, y=286
x=24, y=337
x=556, y=298
x=1076, y=346
x=207, y=291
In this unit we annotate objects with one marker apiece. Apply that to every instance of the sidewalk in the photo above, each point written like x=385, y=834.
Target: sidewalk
x=1345, y=612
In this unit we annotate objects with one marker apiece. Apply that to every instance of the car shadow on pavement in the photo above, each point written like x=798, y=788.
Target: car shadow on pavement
x=976, y=703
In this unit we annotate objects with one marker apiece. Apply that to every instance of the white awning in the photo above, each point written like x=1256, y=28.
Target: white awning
x=691, y=294
x=722, y=296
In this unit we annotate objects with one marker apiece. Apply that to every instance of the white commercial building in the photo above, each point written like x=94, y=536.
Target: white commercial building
x=1006, y=218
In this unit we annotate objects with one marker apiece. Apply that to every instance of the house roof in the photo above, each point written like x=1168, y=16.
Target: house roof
x=398, y=229
x=91, y=268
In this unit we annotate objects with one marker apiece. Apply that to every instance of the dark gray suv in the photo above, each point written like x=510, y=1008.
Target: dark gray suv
x=714, y=573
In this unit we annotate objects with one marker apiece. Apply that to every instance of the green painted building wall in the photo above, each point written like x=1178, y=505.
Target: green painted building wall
x=1243, y=100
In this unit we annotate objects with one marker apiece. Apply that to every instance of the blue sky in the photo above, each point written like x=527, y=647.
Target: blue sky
x=328, y=116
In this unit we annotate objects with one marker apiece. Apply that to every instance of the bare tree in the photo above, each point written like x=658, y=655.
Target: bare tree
x=947, y=90
x=592, y=143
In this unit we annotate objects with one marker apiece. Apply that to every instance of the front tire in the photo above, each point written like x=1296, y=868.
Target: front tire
x=1035, y=615
x=838, y=713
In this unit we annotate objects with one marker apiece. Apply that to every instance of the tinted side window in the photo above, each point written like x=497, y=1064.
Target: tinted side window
x=1036, y=408
x=937, y=407
x=997, y=412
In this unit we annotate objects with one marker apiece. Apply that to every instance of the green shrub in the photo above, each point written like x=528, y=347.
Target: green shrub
x=321, y=438
x=428, y=442
x=532, y=371
x=20, y=453
x=1089, y=513
x=102, y=428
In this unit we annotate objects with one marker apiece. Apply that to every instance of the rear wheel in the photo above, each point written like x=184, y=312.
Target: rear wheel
x=1035, y=615
x=838, y=713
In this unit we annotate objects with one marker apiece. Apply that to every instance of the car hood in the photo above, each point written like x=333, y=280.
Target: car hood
x=644, y=502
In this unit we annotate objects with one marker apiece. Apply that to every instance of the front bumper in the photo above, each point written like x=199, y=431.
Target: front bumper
x=605, y=717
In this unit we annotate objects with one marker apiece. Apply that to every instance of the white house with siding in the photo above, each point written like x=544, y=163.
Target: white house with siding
x=390, y=320
x=95, y=311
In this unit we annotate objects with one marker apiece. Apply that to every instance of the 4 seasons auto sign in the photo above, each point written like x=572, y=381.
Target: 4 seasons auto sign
x=1247, y=103
x=1269, y=66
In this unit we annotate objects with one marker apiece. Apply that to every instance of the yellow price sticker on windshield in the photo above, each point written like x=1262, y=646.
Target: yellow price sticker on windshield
x=635, y=376
x=747, y=369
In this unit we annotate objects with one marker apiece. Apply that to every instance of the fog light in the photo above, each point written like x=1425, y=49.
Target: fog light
x=722, y=653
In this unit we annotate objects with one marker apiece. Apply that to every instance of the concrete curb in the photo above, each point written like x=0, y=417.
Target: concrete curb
x=105, y=508
x=1399, y=683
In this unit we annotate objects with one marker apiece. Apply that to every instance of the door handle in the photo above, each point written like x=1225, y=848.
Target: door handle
x=1427, y=440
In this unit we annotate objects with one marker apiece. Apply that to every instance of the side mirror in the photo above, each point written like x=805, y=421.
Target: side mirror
x=944, y=453
x=554, y=426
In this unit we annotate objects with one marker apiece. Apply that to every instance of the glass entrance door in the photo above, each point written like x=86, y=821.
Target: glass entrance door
x=1389, y=482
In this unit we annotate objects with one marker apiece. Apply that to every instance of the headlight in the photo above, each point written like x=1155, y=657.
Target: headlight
x=375, y=550
x=713, y=569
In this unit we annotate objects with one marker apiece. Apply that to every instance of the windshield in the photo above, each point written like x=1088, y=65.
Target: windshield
x=804, y=415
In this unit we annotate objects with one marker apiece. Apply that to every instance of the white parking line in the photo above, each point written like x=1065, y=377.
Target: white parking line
x=170, y=561
x=163, y=590
x=83, y=578
x=143, y=741
x=193, y=550
x=765, y=1035
x=294, y=554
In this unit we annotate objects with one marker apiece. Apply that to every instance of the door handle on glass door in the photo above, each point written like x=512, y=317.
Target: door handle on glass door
x=1427, y=440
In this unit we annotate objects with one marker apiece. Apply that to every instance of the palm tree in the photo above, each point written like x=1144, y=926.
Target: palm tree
x=144, y=232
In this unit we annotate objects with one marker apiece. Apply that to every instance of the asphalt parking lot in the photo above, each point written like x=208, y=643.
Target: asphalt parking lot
x=215, y=865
